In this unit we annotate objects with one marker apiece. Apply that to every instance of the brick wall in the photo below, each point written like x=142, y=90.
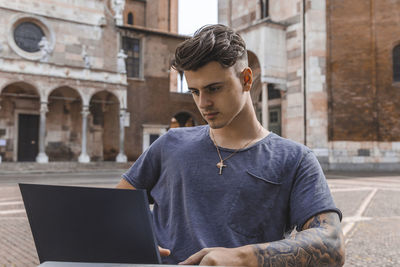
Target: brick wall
x=149, y=99
x=363, y=99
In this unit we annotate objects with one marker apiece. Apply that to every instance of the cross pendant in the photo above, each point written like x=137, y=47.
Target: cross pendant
x=220, y=165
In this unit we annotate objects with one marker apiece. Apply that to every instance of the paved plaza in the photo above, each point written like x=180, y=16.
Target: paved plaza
x=370, y=205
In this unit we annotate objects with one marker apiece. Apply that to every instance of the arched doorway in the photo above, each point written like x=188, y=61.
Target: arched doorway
x=182, y=119
x=64, y=125
x=19, y=122
x=103, y=131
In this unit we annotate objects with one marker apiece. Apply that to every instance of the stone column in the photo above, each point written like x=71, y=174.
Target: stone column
x=264, y=105
x=42, y=157
x=121, y=157
x=84, y=157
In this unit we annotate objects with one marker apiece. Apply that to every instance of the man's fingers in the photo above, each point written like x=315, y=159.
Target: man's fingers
x=195, y=258
x=164, y=252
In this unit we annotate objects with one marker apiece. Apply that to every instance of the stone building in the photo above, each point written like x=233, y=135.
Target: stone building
x=327, y=75
x=87, y=81
x=155, y=100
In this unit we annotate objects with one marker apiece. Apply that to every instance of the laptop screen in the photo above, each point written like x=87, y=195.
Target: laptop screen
x=83, y=224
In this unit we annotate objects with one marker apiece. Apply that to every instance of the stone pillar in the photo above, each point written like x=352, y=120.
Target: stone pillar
x=42, y=157
x=84, y=157
x=121, y=157
x=264, y=105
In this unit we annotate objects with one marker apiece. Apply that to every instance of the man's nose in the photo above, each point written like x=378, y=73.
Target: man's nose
x=204, y=101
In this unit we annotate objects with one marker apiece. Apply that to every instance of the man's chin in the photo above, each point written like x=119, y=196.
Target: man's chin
x=215, y=125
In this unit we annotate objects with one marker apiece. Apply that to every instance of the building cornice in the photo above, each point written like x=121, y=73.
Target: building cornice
x=52, y=70
x=262, y=22
x=153, y=31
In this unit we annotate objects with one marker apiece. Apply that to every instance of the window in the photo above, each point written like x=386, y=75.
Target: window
x=130, y=18
x=273, y=117
x=151, y=132
x=31, y=37
x=131, y=47
x=264, y=8
x=27, y=36
x=273, y=93
x=182, y=84
x=396, y=63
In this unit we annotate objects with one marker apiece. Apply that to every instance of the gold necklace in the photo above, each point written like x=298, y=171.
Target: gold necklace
x=221, y=164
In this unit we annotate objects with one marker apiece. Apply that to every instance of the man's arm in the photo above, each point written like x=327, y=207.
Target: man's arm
x=123, y=184
x=320, y=243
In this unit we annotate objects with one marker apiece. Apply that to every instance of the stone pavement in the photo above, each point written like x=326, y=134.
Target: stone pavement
x=16, y=242
x=371, y=218
x=370, y=205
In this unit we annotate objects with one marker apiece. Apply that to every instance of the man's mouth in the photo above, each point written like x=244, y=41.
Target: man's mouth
x=210, y=115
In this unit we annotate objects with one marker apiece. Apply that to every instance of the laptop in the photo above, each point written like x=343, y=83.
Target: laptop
x=84, y=224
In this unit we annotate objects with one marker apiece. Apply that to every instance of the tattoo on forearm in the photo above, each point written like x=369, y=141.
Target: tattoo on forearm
x=312, y=247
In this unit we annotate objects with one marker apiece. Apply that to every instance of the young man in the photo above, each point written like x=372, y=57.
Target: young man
x=229, y=193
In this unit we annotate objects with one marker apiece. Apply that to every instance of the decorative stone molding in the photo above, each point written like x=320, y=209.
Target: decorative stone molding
x=102, y=21
x=149, y=129
x=58, y=71
x=42, y=24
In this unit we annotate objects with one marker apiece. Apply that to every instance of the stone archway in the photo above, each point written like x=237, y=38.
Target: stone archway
x=182, y=119
x=19, y=122
x=64, y=125
x=104, y=127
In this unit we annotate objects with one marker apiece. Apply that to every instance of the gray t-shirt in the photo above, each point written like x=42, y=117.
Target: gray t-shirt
x=265, y=191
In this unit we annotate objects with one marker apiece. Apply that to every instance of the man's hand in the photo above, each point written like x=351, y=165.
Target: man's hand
x=164, y=252
x=216, y=256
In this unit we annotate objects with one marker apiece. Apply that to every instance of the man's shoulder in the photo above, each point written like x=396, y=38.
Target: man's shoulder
x=183, y=134
x=284, y=145
x=281, y=157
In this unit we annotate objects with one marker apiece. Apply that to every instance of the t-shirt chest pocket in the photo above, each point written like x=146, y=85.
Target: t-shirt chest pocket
x=252, y=204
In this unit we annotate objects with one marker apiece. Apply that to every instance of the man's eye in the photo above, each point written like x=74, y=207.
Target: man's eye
x=213, y=89
x=194, y=92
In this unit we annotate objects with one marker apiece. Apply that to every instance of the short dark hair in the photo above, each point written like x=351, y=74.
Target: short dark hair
x=210, y=43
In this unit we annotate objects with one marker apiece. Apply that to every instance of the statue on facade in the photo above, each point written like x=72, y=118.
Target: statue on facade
x=45, y=49
x=121, y=65
x=86, y=57
x=118, y=6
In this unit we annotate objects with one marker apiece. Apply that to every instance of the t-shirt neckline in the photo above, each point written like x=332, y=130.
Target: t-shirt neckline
x=210, y=141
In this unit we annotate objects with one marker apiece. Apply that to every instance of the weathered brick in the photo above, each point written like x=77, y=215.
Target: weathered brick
x=364, y=99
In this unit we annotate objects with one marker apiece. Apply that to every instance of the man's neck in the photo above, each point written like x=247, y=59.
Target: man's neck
x=240, y=132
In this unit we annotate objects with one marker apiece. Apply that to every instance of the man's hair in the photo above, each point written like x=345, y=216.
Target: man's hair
x=211, y=43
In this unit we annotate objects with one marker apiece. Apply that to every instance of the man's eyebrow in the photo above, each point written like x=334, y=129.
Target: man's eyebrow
x=213, y=84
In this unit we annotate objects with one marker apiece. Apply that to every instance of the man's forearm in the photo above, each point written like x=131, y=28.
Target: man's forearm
x=320, y=245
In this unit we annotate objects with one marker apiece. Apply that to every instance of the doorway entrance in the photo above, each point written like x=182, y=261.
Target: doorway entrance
x=28, y=137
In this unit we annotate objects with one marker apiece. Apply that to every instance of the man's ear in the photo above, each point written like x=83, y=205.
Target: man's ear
x=246, y=78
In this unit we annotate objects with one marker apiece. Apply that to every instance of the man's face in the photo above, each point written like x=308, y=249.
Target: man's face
x=218, y=93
